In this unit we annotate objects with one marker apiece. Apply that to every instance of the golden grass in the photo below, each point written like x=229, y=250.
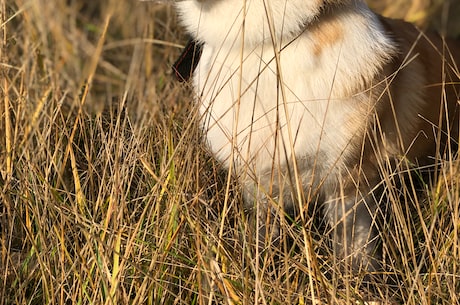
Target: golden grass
x=108, y=195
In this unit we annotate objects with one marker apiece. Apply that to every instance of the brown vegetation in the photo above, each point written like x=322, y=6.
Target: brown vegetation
x=108, y=195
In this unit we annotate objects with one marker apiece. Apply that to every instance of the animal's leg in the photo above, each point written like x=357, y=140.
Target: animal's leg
x=265, y=221
x=267, y=204
x=354, y=229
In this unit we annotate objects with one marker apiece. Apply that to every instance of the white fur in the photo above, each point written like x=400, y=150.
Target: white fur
x=239, y=87
x=222, y=22
x=303, y=95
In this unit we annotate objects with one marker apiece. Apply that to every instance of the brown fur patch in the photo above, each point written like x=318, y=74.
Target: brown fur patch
x=428, y=77
x=325, y=35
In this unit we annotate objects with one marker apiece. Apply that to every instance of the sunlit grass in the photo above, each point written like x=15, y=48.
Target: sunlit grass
x=109, y=196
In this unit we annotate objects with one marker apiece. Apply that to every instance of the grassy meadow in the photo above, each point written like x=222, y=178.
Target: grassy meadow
x=108, y=195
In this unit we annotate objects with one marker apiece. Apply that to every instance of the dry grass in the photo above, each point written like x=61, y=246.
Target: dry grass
x=109, y=197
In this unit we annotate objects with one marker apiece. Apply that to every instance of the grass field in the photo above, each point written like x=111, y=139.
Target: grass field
x=108, y=195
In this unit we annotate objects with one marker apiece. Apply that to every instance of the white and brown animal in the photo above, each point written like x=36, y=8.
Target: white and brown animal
x=307, y=97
